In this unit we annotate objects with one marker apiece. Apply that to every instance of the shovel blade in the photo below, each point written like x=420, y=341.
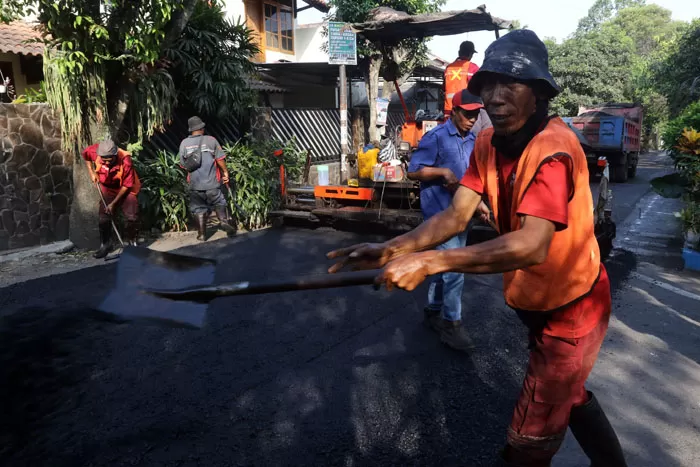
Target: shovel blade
x=140, y=269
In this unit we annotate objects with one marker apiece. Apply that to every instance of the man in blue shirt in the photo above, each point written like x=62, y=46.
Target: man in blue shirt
x=439, y=163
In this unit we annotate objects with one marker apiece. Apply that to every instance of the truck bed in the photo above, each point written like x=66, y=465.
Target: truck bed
x=608, y=132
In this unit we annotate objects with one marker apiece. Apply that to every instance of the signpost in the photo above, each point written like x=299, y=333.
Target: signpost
x=342, y=50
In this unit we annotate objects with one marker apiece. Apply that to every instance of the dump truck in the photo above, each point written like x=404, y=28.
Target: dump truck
x=614, y=132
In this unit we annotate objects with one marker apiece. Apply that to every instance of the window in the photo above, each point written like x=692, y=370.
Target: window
x=279, y=28
x=7, y=94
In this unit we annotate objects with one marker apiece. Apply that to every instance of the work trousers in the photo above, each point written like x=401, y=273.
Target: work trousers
x=202, y=201
x=554, y=384
x=445, y=292
x=129, y=204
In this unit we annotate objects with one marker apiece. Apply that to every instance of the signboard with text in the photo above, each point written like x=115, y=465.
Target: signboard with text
x=342, y=45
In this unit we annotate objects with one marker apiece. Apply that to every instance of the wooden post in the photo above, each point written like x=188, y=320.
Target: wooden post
x=344, y=150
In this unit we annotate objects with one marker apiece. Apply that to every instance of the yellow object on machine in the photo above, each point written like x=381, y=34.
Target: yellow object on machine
x=366, y=160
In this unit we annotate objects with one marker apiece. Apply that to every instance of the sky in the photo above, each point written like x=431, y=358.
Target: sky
x=550, y=18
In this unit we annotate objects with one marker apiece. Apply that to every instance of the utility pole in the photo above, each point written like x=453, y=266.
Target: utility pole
x=344, y=147
x=342, y=51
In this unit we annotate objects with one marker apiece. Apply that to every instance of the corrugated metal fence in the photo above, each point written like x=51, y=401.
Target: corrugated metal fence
x=314, y=129
x=319, y=129
x=224, y=130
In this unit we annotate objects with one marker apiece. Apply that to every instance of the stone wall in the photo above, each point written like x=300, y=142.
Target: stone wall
x=36, y=187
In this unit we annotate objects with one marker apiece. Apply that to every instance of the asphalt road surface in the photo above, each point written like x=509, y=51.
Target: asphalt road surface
x=343, y=377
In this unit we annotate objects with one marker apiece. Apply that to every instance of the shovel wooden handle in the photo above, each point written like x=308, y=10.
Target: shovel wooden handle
x=325, y=281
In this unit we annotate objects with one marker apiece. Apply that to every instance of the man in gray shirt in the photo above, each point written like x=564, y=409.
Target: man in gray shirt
x=482, y=123
x=205, y=181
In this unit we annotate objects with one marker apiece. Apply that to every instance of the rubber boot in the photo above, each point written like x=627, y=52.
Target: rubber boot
x=105, y=240
x=131, y=233
x=201, y=227
x=224, y=220
x=514, y=457
x=595, y=435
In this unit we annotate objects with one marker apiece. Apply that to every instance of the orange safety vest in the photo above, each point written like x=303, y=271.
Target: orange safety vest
x=457, y=76
x=572, y=265
x=121, y=155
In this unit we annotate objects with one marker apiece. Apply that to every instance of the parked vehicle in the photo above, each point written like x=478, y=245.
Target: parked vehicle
x=613, y=131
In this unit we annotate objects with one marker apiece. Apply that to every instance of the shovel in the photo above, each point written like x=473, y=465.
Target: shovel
x=174, y=290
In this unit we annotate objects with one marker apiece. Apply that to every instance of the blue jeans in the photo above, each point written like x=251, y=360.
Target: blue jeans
x=445, y=293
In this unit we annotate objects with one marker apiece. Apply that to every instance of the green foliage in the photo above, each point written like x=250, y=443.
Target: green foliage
x=164, y=198
x=673, y=130
x=686, y=150
x=591, y=68
x=211, y=62
x=690, y=216
x=678, y=76
x=613, y=56
x=649, y=27
x=32, y=96
x=255, y=173
x=414, y=51
x=102, y=63
x=602, y=11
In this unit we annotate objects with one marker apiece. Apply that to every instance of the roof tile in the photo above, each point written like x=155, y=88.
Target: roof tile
x=14, y=37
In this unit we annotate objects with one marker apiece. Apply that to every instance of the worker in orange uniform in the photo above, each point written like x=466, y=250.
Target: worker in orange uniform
x=533, y=171
x=115, y=176
x=458, y=74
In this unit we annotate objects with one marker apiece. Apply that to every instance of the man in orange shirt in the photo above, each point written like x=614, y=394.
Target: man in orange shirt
x=458, y=74
x=533, y=171
x=113, y=172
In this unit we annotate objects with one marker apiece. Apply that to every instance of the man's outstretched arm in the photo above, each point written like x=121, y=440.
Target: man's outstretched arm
x=516, y=250
x=429, y=234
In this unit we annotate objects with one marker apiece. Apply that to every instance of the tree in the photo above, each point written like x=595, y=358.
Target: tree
x=211, y=63
x=649, y=26
x=678, y=76
x=602, y=11
x=395, y=62
x=591, y=68
x=612, y=57
x=107, y=71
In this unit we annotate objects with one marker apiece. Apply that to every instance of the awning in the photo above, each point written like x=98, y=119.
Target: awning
x=290, y=75
x=392, y=26
x=320, y=5
x=17, y=37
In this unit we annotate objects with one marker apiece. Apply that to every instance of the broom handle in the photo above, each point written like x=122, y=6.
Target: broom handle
x=104, y=203
x=111, y=219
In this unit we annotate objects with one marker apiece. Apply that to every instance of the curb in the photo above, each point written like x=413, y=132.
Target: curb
x=51, y=248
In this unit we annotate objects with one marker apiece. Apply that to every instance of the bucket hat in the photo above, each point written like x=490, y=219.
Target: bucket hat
x=521, y=55
x=195, y=123
x=107, y=148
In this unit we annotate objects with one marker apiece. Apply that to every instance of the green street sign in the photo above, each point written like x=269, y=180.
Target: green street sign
x=342, y=45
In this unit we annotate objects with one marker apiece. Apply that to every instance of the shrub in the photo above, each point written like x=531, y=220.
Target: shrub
x=255, y=174
x=673, y=131
x=33, y=96
x=690, y=216
x=255, y=183
x=164, y=196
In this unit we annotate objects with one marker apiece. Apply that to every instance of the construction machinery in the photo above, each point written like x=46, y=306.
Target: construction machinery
x=387, y=199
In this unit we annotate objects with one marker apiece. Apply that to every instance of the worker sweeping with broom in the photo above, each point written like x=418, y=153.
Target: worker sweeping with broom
x=113, y=173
